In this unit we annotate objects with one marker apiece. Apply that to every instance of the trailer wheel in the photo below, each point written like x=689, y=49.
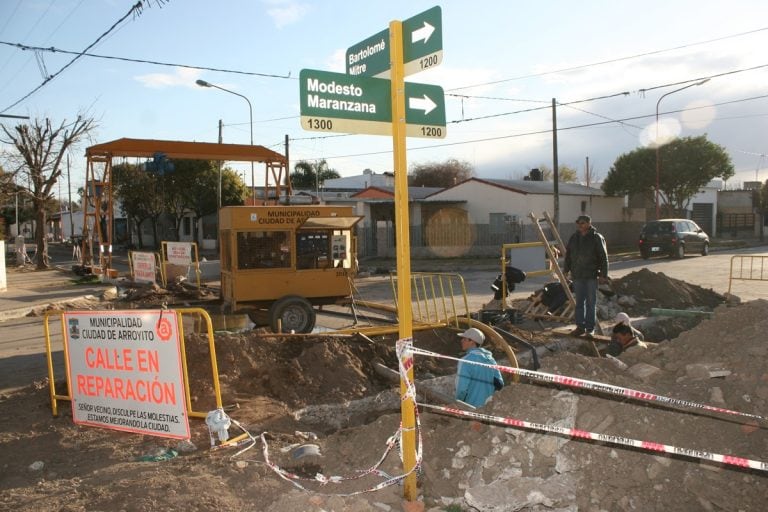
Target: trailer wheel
x=259, y=317
x=294, y=313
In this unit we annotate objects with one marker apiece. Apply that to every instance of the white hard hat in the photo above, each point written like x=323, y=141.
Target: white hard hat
x=475, y=335
x=622, y=318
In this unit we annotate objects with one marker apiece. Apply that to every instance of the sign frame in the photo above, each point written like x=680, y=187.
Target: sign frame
x=422, y=42
x=125, y=371
x=337, y=102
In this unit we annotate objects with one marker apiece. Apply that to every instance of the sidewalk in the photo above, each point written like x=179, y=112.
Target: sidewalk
x=29, y=289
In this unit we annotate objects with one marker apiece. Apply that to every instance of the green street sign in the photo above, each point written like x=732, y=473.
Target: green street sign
x=337, y=102
x=422, y=47
x=423, y=41
x=370, y=57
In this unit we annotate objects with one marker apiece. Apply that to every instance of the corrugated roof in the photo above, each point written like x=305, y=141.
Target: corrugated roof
x=414, y=193
x=543, y=187
x=147, y=148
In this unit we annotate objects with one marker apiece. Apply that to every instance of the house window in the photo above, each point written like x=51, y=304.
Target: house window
x=186, y=226
x=497, y=223
x=583, y=207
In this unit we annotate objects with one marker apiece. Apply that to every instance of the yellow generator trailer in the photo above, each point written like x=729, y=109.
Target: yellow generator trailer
x=278, y=262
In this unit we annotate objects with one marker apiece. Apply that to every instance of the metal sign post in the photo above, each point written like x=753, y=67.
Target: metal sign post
x=362, y=101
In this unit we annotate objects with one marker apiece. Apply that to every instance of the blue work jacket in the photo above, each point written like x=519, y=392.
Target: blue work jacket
x=474, y=383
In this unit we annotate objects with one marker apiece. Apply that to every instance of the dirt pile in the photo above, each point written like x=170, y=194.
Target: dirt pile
x=655, y=290
x=640, y=291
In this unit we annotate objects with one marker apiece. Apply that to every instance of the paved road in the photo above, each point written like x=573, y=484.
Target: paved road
x=706, y=271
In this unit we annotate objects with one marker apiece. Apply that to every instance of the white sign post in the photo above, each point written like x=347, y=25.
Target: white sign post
x=125, y=371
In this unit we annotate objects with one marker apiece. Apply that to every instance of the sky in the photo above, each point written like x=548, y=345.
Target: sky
x=606, y=63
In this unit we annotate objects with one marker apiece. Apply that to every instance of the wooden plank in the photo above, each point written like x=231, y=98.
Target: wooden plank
x=566, y=332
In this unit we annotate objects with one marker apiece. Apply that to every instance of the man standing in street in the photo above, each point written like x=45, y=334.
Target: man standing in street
x=586, y=259
x=475, y=383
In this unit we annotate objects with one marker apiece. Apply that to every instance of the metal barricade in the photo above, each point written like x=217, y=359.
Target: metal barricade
x=437, y=297
x=747, y=268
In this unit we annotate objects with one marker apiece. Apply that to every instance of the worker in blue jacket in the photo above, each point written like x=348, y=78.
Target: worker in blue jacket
x=474, y=383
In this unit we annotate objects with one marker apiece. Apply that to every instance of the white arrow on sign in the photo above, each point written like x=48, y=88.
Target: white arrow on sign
x=422, y=33
x=423, y=103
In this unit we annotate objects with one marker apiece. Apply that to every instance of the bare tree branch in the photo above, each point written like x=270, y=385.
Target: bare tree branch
x=40, y=150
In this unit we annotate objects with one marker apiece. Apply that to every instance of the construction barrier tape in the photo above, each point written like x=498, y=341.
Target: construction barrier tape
x=404, y=349
x=616, y=440
x=598, y=386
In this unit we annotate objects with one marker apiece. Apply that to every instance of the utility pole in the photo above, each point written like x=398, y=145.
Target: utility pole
x=288, y=187
x=555, y=165
x=221, y=125
x=69, y=201
x=218, y=210
x=61, y=211
x=587, y=176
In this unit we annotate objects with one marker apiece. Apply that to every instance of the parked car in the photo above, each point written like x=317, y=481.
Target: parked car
x=673, y=238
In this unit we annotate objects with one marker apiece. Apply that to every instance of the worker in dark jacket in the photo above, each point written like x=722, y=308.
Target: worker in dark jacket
x=586, y=259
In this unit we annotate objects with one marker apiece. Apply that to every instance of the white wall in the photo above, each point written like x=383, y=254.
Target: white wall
x=66, y=226
x=482, y=200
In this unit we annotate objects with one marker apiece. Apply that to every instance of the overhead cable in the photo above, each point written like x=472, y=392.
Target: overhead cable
x=143, y=61
x=135, y=10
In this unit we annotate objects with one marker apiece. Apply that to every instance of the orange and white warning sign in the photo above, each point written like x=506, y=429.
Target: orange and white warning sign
x=125, y=371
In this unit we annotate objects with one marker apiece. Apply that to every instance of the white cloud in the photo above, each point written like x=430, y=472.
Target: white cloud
x=337, y=62
x=286, y=12
x=180, y=77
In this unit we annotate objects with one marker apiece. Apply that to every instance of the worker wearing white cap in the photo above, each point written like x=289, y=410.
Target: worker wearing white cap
x=475, y=383
x=623, y=318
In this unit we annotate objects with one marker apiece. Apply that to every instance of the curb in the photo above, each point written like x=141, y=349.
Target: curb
x=16, y=313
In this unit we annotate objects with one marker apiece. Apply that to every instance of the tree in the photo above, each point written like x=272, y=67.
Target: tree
x=233, y=189
x=196, y=179
x=139, y=196
x=687, y=164
x=565, y=173
x=446, y=174
x=41, y=148
x=311, y=175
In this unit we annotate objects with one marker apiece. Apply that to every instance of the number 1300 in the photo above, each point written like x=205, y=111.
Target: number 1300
x=319, y=124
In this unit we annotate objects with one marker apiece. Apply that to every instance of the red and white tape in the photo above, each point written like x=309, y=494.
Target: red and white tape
x=605, y=438
x=598, y=386
x=404, y=349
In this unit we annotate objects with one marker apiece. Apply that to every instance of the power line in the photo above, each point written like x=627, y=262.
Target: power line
x=600, y=63
x=607, y=96
x=143, y=61
x=549, y=130
x=135, y=10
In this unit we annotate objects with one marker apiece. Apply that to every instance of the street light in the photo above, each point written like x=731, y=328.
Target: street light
x=658, y=154
x=203, y=83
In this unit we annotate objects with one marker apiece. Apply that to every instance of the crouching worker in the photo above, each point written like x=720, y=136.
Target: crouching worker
x=623, y=337
x=623, y=318
x=474, y=383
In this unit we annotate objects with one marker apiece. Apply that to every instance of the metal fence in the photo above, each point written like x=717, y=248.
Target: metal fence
x=476, y=240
